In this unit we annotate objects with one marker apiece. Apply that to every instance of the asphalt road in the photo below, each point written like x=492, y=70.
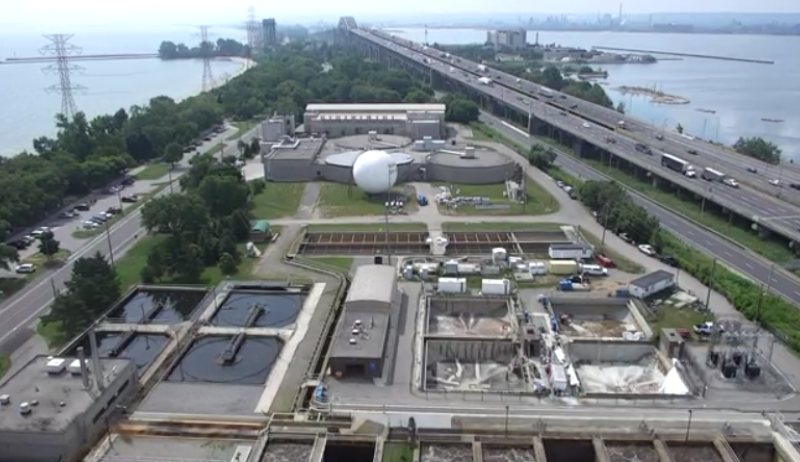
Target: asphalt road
x=19, y=312
x=730, y=254
x=768, y=210
x=728, y=161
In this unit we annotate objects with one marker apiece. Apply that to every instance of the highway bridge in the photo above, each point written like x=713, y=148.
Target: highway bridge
x=593, y=131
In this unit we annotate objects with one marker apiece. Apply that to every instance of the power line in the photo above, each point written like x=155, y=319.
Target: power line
x=253, y=34
x=207, y=50
x=62, y=50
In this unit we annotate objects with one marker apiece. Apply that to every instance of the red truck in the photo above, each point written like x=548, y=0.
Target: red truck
x=604, y=261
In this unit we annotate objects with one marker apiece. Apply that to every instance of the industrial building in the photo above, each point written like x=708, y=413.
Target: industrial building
x=276, y=128
x=55, y=407
x=415, y=121
x=270, y=32
x=360, y=342
x=507, y=39
x=652, y=283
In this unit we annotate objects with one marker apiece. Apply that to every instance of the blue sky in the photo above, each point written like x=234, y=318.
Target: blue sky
x=40, y=15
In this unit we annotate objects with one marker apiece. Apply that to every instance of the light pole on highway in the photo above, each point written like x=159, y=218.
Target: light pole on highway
x=764, y=293
x=110, y=247
x=711, y=282
x=688, y=426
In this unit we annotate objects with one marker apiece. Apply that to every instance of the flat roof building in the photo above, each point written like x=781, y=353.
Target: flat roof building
x=360, y=342
x=651, y=284
x=415, y=121
x=53, y=409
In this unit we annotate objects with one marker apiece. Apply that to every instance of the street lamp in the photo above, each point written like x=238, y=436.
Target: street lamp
x=506, y=426
x=688, y=426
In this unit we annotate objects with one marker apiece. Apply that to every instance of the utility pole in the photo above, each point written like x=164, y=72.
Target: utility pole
x=605, y=226
x=62, y=50
x=711, y=282
x=110, y=247
x=207, y=50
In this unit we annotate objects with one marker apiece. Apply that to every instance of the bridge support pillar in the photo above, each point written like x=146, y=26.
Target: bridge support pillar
x=577, y=147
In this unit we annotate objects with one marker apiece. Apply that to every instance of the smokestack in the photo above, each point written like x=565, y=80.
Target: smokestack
x=98, y=372
x=84, y=369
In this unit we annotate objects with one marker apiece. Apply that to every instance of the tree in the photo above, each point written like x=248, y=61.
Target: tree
x=255, y=148
x=223, y=195
x=48, y=245
x=244, y=148
x=759, y=148
x=227, y=264
x=91, y=290
x=173, y=153
x=541, y=157
x=679, y=128
x=460, y=110
x=178, y=214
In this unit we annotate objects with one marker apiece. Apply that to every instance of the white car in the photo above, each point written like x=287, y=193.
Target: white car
x=89, y=225
x=25, y=268
x=647, y=249
x=775, y=183
x=38, y=232
x=586, y=125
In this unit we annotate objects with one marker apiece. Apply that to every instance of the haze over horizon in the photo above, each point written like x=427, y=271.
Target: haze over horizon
x=47, y=15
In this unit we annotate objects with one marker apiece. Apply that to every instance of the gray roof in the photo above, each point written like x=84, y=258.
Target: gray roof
x=651, y=279
x=369, y=344
x=373, y=283
x=33, y=383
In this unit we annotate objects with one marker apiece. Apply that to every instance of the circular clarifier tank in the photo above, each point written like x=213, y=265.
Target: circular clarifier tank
x=202, y=362
x=481, y=158
x=348, y=159
x=278, y=310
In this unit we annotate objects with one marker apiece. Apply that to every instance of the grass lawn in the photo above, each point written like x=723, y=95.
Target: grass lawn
x=540, y=202
x=342, y=263
x=154, y=171
x=623, y=264
x=129, y=267
x=5, y=365
x=343, y=227
x=216, y=148
x=678, y=318
x=479, y=132
x=277, y=200
x=494, y=226
x=340, y=200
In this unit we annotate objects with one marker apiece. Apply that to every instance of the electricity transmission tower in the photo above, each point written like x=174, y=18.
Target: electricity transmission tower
x=207, y=49
x=62, y=50
x=253, y=34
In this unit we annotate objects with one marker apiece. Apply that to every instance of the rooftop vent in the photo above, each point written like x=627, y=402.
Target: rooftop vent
x=5, y=400
x=355, y=331
x=74, y=367
x=25, y=408
x=357, y=323
x=55, y=366
x=469, y=152
x=353, y=341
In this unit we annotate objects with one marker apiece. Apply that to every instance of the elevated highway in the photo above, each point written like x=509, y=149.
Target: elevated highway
x=573, y=120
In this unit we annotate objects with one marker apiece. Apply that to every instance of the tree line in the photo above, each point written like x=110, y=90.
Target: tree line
x=221, y=48
x=759, y=148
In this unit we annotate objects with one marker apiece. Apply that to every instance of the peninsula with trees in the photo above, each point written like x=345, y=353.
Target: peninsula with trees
x=221, y=48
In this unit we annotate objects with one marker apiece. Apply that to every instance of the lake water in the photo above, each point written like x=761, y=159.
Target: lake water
x=27, y=110
x=740, y=93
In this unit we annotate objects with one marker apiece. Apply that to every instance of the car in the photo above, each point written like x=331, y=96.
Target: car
x=206, y=138
x=113, y=210
x=692, y=151
x=707, y=328
x=25, y=268
x=88, y=224
x=775, y=183
x=659, y=136
x=68, y=214
x=560, y=184
x=647, y=249
x=563, y=113
x=563, y=96
x=611, y=140
x=586, y=125
x=130, y=198
x=84, y=207
x=752, y=170
x=20, y=244
x=626, y=238
x=795, y=185
x=128, y=181
x=669, y=261
x=730, y=182
x=603, y=260
x=39, y=232
x=573, y=106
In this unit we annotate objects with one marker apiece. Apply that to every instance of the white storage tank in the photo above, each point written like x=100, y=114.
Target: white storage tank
x=451, y=285
x=496, y=287
x=537, y=268
x=563, y=267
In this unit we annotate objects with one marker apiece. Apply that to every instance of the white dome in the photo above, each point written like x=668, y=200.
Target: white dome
x=375, y=172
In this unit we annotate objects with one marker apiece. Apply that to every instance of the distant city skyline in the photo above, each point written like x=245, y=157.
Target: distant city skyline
x=49, y=15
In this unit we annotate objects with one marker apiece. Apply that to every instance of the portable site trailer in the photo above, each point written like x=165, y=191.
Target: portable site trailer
x=558, y=378
x=496, y=287
x=563, y=267
x=451, y=285
x=570, y=251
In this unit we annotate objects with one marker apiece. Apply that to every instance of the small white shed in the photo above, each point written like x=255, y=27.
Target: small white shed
x=651, y=284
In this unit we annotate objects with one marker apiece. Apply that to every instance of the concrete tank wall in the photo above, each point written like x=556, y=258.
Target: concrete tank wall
x=469, y=350
x=289, y=170
x=470, y=175
x=590, y=308
x=454, y=306
x=609, y=351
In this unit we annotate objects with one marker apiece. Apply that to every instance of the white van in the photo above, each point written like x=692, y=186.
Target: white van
x=594, y=270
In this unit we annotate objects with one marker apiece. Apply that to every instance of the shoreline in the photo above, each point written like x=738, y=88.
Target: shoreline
x=656, y=96
x=226, y=77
